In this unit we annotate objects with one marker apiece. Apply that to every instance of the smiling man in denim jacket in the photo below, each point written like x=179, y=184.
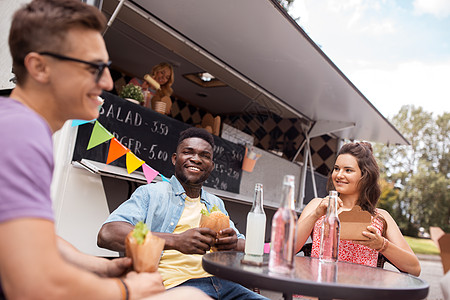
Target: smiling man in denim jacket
x=172, y=212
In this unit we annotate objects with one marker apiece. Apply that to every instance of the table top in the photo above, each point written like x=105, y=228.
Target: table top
x=310, y=277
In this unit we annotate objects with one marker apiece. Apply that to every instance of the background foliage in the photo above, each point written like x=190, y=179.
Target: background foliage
x=416, y=178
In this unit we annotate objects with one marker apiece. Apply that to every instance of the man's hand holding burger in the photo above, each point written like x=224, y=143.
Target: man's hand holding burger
x=195, y=240
x=227, y=240
x=226, y=237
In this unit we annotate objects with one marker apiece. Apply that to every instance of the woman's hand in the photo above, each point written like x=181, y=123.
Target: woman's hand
x=375, y=240
x=323, y=206
x=321, y=209
x=315, y=209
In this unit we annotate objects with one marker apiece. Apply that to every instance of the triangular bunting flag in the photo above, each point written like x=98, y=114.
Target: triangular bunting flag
x=164, y=178
x=80, y=122
x=149, y=173
x=133, y=162
x=116, y=150
x=99, y=135
x=76, y=122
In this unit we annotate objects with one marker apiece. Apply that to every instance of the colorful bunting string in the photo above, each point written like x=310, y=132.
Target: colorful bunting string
x=164, y=178
x=116, y=150
x=99, y=135
x=133, y=162
x=76, y=123
x=149, y=173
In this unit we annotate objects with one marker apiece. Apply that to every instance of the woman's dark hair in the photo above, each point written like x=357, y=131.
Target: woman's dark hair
x=198, y=133
x=369, y=188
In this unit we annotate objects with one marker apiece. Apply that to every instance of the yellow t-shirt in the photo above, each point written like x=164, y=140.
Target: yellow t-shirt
x=176, y=267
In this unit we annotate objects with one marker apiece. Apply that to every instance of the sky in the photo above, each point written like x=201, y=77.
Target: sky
x=396, y=52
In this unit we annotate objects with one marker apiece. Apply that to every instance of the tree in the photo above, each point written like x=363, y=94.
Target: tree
x=443, y=144
x=419, y=172
x=389, y=196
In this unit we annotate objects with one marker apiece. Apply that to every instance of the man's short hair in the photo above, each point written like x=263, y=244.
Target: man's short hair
x=42, y=25
x=198, y=133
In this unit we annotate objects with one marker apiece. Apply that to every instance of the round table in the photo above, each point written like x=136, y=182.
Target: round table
x=310, y=277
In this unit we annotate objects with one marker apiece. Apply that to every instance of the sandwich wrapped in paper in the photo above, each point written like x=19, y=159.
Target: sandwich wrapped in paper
x=353, y=223
x=144, y=248
x=215, y=220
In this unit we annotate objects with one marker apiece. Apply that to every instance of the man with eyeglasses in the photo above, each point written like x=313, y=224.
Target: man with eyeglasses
x=97, y=68
x=61, y=67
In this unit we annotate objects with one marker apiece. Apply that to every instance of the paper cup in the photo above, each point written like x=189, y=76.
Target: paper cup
x=248, y=164
x=249, y=160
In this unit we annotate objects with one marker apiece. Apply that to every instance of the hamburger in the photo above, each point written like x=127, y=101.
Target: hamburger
x=215, y=220
x=144, y=248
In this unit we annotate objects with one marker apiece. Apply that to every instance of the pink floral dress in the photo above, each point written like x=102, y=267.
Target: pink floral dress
x=349, y=251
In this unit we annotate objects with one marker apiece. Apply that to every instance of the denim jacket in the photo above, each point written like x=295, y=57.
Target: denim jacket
x=160, y=205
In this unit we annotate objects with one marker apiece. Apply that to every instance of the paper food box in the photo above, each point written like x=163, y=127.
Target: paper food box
x=353, y=223
x=442, y=241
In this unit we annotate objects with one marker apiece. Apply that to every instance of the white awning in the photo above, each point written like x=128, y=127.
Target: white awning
x=256, y=42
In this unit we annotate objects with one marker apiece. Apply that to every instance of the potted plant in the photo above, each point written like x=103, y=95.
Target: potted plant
x=132, y=93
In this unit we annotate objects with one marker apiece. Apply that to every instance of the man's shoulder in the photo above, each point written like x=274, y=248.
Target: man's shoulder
x=15, y=109
x=24, y=120
x=211, y=197
x=23, y=129
x=157, y=187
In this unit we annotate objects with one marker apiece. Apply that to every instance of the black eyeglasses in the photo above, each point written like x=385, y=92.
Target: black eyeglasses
x=99, y=67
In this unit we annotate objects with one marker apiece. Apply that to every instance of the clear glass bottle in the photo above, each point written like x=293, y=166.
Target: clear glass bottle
x=282, y=252
x=256, y=224
x=329, y=236
x=327, y=272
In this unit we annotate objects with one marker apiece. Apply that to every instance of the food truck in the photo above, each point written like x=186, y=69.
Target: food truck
x=279, y=104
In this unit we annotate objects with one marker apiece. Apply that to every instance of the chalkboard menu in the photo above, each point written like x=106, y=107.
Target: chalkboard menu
x=153, y=138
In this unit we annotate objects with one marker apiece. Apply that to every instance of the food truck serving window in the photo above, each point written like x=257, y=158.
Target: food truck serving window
x=153, y=137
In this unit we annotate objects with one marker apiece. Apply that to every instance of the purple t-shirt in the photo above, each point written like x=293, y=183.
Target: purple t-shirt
x=26, y=163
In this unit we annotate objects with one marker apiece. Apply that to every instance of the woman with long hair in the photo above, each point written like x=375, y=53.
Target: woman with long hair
x=163, y=75
x=355, y=177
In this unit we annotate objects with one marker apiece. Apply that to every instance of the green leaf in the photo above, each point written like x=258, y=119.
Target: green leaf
x=207, y=213
x=215, y=208
x=140, y=232
x=133, y=92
